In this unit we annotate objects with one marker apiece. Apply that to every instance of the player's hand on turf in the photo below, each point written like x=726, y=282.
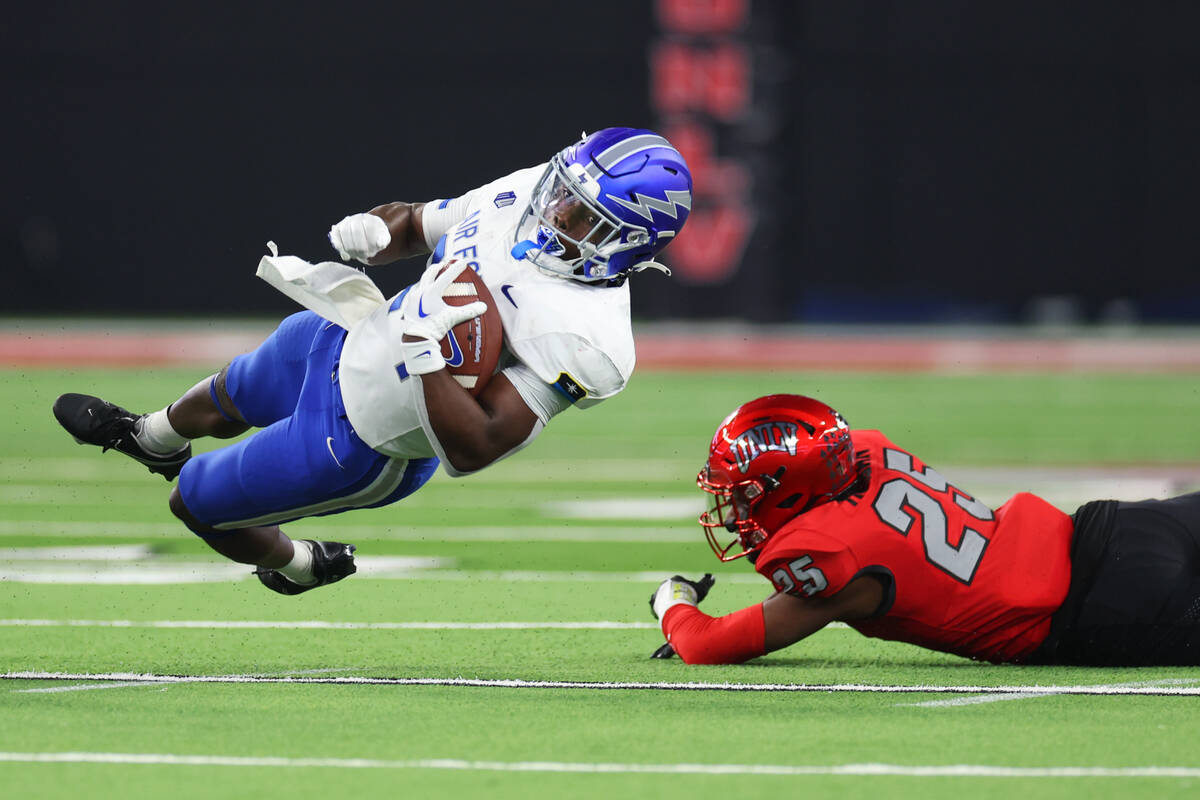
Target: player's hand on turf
x=678, y=590
x=674, y=591
x=360, y=236
x=427, y=318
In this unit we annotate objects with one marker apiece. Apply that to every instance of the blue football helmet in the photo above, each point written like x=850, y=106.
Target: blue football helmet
x=605, y=206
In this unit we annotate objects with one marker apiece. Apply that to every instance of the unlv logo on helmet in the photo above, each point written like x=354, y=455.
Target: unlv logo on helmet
x=770, y=437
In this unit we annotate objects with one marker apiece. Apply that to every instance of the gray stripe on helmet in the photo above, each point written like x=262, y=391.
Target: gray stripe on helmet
x=608, y=159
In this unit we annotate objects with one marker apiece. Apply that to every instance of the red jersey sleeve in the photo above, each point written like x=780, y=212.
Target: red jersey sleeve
x=806, y=563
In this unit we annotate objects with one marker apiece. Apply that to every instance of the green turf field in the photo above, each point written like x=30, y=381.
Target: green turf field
x=495, y=642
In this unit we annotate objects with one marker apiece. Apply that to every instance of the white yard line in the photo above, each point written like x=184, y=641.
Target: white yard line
x=86, y=687
x=1101, y=690
x=993, y=698
x=532, y=576
x=323, y=625
x=538, y=471
x=973, y=701
x=44, y=528
x=118, y=552
x=124, y=573
x=684, y=508
x=906, y=770
x=685, y=532
x=170, y=570
x=130, y=565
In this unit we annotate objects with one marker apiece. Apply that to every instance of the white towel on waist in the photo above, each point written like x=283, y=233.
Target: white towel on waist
x=339, y=293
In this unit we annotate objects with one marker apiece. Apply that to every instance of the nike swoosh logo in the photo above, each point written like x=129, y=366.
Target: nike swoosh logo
x=329, y=444
x=456, y=356
x=421, y=307
x=504, y=289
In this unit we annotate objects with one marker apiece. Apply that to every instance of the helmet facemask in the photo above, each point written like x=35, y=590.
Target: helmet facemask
x=571, y=234
x=732, y=509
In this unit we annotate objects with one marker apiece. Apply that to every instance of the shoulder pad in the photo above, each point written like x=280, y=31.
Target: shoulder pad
x=584, y=374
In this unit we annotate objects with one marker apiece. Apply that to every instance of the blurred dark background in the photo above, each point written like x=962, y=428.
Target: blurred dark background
x=856, y=160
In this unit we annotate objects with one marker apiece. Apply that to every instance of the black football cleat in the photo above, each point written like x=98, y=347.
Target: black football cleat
x=332, y=561
x=93, y=421
x=666, y=651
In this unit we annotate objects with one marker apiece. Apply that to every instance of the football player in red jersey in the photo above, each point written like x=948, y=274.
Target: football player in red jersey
x=848, y=526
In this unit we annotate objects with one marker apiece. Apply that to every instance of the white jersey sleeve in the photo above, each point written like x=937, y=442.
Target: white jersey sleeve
x=580, y=372
x=439, y=216
x=575, y=337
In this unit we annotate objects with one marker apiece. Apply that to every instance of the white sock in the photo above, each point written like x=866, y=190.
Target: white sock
x=158, y=436
x=299, y=569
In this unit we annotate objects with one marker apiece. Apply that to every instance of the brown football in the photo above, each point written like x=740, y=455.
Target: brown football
x=472, y=348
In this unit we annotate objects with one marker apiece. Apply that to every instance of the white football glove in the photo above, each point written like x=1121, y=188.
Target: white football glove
x=427, y=317
x=360, y=236
x=678, y=590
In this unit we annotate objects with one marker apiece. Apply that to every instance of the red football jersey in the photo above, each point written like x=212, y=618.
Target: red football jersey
x=964, y=579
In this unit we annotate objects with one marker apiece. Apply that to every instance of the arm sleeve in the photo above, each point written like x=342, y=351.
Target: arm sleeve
x=440, y=216
x=701, y=639
x=543, y=399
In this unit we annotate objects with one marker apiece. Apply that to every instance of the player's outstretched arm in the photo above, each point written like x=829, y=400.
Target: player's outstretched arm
x=781, y=620
x=787, y=619
x=384, y=234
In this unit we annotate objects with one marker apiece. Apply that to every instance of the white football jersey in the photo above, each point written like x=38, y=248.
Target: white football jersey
x=573, y=336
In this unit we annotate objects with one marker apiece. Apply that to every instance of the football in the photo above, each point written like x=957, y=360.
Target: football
x=472, y=348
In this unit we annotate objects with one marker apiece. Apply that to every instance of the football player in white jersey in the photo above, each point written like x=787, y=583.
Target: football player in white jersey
x=361, y=418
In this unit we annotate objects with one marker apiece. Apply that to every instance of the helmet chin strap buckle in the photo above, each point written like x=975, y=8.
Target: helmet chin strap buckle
x=645, y=265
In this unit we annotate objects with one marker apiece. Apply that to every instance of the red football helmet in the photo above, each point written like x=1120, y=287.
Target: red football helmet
x=770, y=460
